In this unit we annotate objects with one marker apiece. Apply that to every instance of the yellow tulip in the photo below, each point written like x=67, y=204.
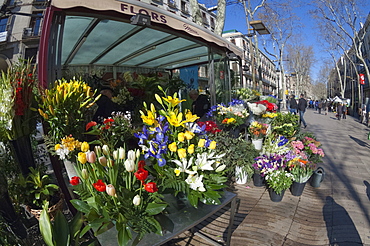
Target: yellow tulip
x=181, y=137
x=181, y=153
x=82, y=157
x=85, y=147
x=191, y=149
x=172, y=147
x=201, y=142
x=189, y=135
x=212, y=145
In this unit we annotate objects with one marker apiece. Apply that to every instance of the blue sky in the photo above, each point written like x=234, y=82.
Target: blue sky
x=235, y=19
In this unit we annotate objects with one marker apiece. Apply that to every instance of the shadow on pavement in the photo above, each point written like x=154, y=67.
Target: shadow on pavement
x=345, y=232
x=367, y=189
x=360, y=142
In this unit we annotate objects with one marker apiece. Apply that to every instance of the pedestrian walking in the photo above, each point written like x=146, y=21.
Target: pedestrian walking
x=344, y=111
x=293, y=105
x=319, y=106
x=302, y=105
x=325, y=106
x=339, y=111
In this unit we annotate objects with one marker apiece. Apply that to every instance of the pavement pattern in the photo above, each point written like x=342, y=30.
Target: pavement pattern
x=337, y=213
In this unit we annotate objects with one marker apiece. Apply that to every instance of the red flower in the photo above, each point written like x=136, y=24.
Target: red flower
x=151, y=187
x=90, y=124
x=141, y=164
x=141, y=174
x=99, y=186
x=74, y=180
x=108, y=123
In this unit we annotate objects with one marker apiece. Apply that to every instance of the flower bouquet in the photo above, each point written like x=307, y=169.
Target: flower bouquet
x=308, y=149
x=301, y=169
x=210, y=126
x=258, y=130
x=183, y=159
x=65, y=106
x=115, y=188
x=285, y=124
x=247, y=94
x=270, y=107
x=18, y=90
x=231, y=116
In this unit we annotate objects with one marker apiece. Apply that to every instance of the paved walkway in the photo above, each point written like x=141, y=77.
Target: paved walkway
x=336, y=213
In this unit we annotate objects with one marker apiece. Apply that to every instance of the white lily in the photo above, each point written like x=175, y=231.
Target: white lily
x=203, y=163
x=195, y=182
x=184, y=164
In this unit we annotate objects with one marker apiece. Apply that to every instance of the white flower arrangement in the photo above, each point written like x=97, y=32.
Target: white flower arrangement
x=257, y=109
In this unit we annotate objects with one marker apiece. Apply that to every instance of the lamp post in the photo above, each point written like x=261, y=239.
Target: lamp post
x=261, y=29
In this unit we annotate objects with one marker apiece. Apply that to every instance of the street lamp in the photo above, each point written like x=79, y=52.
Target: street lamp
x=261, y=29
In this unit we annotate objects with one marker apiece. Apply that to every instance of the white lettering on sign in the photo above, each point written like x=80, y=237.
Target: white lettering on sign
x=135, y=10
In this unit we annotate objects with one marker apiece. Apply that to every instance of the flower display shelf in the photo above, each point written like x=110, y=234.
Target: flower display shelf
x=184, y=218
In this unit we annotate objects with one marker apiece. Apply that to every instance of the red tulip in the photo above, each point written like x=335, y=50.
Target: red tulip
x=74, y=180
x=151, y=187
x=141, y=174
x=99, y=186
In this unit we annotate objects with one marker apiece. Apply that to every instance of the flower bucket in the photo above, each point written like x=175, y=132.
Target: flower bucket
x=274, y=196
x=258, y=180
x=241, y=176
x=297, y=188
x=70, y=168
x=257, y=143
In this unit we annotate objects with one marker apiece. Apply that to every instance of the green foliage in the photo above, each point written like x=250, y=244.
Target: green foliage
x=238, y=153
x=42, y=190
x=279, y=180
x=60, y=232
x=285, y=124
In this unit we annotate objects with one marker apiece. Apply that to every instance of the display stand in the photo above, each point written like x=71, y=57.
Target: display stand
x=184, y=219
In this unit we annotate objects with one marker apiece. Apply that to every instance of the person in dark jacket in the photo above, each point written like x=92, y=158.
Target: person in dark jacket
x=339, y=111
x=293, y=105
x=105, y=105
x=302, y=105
x=201, y=104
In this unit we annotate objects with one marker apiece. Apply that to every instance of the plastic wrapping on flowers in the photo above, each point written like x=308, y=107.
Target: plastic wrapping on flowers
x=184, y=159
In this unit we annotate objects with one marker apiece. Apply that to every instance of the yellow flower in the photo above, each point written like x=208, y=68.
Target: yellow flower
x=172, y=147
x=175, y=119
x=177, y=171
x=201, y=142
x=181, y=137
x=85, y=147
x=190, y=117
x=189, y=135
x=173, y=101
x=231, y=121
x=212, y=145
x=150, y=118
x=57, y=146
x=181, y=153
x=191, y=149
x=82, y=157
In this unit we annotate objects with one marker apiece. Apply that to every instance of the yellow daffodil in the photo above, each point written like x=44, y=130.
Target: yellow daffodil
x=82, y=157
x=85, y=147
x=181, y=153
x=212, y=145
x=191, y=149
x=181, y=137
x=189, y=135
x=172, y=147
x=173, y=101
x=201, y=142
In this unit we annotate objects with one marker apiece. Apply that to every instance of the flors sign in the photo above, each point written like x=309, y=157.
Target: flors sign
x=362, y=78
x=129, y=9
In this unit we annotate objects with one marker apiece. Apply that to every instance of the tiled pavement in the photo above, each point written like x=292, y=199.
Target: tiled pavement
x=336, y=213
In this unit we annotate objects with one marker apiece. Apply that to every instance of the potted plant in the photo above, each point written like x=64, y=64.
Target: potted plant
x=301, y=170
x=278, y=181
x=42, y=190
x=258, y=131
x=239, y=156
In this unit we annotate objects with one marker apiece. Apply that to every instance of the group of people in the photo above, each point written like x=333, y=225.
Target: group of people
x=299, y=107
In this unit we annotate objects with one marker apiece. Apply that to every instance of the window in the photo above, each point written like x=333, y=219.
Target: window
x=3, y=24
x=31, y=53
x=212, y=22
x=184, y=8
x=35, y=23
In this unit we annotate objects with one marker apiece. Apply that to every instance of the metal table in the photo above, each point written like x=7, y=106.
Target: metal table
x=184, y=218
